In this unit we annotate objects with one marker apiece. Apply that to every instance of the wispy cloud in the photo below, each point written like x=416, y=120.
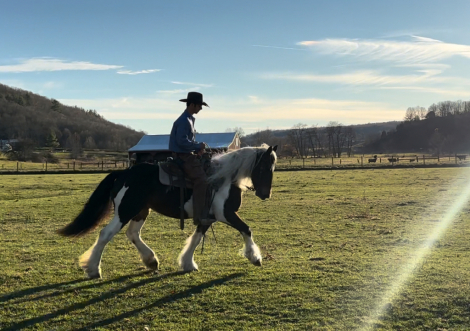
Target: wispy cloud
x=51, y=64
x=129, y=72
x=371, y=77
x=415, y=51
x=279, y=47
x=192, y=84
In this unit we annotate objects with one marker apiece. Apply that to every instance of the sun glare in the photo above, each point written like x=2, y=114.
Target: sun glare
x=446, y=214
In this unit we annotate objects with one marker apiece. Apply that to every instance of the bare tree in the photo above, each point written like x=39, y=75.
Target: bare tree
x=298, y=138
x=239, y=130
x=336, y=138
x=349, y=135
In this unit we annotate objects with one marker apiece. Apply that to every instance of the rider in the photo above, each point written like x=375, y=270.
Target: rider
x=184, y=146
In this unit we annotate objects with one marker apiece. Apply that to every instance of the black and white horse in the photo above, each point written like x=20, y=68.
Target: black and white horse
x=136, y=190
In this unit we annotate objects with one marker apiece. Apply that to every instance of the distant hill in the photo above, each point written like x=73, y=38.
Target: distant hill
x=28, y=116
x=363, y=132
x=446, y=134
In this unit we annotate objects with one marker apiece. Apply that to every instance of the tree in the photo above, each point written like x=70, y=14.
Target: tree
x=298, y=138
x=55, y=105
x=239, y=130
x=51, y=141
x=76, y=146
x=349, y=136
x=90, y=143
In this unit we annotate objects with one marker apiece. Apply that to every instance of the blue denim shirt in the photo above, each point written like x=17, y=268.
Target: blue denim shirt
x=183, y=135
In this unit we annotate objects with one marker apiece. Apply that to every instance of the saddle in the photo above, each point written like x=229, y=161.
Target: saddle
x=171, y=171
x=171, y=174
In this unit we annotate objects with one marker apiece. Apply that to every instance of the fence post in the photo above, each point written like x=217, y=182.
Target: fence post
x=17, y=167
x=115, y=164
x=102, y=164
x=46, y=166
x=303, y=163
x=332, y=162
x=362, y=161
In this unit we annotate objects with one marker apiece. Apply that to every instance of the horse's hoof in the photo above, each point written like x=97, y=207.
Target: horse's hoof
x=153, y=265
x=190, y=270
x=94, y=275
x=257, y=263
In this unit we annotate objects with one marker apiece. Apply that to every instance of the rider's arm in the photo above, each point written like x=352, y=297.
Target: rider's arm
x=183, y=129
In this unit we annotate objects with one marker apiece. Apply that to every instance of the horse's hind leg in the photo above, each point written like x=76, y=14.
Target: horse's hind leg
x=186, y=257
x=133, y=234
x=90, y=260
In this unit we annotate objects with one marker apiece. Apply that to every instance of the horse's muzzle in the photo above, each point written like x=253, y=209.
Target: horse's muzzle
x=263, y=195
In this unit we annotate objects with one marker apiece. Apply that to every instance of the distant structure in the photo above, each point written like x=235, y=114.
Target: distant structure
x=154, y=148
x=11, y=142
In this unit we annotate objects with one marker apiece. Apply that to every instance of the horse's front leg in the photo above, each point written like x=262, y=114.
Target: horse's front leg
x=186, y=257
x=250, y=250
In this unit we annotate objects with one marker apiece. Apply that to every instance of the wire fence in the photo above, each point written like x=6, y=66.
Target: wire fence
x=371, y=161
x=286, y=163
x=77, y=166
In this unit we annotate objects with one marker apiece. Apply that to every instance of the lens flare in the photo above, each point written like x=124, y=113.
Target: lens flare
x=406, y=273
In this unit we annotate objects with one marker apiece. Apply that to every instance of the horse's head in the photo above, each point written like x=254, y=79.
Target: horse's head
x=262, y=174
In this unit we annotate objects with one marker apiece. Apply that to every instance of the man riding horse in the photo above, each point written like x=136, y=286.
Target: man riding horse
x=187, y=151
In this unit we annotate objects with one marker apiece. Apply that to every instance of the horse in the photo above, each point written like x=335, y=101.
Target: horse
x=137, y=190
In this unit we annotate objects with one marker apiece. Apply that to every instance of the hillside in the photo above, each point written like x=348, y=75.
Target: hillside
x=363, y=132
x=447, y=134
x=28, y=116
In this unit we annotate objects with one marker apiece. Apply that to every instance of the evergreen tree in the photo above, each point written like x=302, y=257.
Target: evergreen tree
x=51, y=141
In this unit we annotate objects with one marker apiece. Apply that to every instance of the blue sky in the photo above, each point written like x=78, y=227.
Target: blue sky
x=260, y=64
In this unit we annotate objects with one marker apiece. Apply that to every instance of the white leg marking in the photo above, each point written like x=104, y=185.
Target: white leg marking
x=188, y=207
x=251, y=250
x=186, y=257
x=219, y=202
x=90, y=260
x=133, y=234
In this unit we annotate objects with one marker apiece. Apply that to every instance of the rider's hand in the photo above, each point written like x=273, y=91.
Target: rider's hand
x=203, y=147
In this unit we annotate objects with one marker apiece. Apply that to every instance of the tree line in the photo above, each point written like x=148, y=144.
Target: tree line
x=302, y=140
x=443, y=127
x=39, y=121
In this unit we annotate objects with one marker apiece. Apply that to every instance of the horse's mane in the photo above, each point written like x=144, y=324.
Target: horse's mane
x=236, y=166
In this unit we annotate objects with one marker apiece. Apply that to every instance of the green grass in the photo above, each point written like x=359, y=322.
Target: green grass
x=332, y=241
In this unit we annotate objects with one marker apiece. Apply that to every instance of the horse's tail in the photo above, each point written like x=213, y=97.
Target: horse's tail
x=94, y=211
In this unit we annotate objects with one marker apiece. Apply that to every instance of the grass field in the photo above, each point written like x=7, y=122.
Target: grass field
x=337, y=246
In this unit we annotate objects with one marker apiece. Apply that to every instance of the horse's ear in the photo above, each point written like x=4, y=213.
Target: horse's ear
x=270, y=149
x=275, y=148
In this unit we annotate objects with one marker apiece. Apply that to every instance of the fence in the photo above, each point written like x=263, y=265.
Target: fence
x=283, y=163
x=16, y=166
x=372, y=162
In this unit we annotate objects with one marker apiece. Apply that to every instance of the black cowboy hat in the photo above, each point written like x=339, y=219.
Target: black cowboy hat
x=195, y=97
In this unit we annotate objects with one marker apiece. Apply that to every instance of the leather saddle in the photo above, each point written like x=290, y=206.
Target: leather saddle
x=172, y=174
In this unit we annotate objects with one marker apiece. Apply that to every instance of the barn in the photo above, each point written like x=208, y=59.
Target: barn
x=154, y=148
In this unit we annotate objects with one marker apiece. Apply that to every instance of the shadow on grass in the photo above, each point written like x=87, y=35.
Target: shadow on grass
x=34, y=290
x=108, y=295
x=169, y=298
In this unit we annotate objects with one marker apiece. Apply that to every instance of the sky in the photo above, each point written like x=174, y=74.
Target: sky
x=259, y=64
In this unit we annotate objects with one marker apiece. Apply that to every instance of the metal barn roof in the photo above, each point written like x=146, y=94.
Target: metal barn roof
x=160, y=142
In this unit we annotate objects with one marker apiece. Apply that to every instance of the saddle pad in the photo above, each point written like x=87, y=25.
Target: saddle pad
x=165, y=179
